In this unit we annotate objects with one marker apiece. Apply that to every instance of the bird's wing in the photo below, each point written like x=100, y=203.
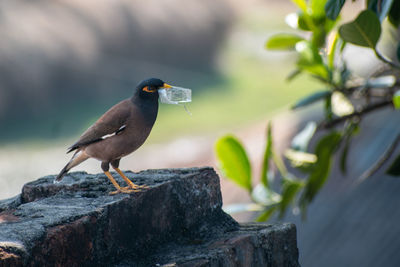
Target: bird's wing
x=112, y=122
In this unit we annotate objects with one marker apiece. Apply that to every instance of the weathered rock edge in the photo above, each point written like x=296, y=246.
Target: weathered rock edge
x=178, y=220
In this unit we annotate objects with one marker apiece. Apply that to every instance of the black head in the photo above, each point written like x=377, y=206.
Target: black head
x=151, y=86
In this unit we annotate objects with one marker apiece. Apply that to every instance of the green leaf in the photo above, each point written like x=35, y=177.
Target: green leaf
x=314, y=97
x=289, y=191
x=343, y=156
x=305, y=22
x=324, y=151
x=310, y=60
x=293, y=75
x=342, y=46
x=267, y=156
x=318, y=8
x=394, y=14
x=345, y=74
x=341, y=105
x=333, y=8
x=283, y=41
x=299, y=158
x=292, y=19
x=394, y=169
x=365, y=30
x=301, y=140
x=301, y=4
x=328, y=109
x=280, y=165
x=233, y=161
x=265, y=196
x=242, y=207
x=396, y=100
x=350, y=131
x=300, y=21
x=266, y=214
x=318, y=70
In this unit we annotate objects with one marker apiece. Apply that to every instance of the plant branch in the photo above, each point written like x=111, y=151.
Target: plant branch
x=382, y=160
x=332, y=123
x=385, y=60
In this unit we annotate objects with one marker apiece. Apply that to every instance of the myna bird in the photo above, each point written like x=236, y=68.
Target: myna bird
x=119, y=132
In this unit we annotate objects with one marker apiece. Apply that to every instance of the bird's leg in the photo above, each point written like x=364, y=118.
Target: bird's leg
x=105, y=168
x=129, y=182
x=115, y=165
x=116, y=185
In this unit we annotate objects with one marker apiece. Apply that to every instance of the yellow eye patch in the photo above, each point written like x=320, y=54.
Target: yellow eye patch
x=146, y=89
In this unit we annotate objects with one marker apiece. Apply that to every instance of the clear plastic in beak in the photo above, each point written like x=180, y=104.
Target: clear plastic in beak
x=175, y=95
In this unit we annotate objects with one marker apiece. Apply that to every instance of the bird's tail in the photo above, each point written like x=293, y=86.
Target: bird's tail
x=62, y=173
x=76, y=159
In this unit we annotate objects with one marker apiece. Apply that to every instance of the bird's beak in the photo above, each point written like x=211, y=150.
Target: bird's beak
x=166, y=86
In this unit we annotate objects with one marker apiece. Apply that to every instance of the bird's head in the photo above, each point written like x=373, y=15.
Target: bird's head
x=150, y=87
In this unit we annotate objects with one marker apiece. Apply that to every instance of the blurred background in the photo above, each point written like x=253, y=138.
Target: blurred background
x=64, y=63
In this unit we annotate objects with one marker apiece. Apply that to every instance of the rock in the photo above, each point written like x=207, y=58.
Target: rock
x=177, y=222
x=250, y=245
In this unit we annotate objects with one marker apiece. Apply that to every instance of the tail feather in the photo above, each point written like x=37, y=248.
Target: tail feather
x=76, y=159
x=62, y=173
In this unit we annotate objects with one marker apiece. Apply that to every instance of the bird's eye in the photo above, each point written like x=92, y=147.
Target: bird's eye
x=149, y=89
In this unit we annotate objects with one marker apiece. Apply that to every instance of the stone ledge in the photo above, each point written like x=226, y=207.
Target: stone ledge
x=177, y=221
x=250, y=245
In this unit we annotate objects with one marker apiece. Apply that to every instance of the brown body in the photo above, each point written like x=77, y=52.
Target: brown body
x=124, y=142
x=119, y=132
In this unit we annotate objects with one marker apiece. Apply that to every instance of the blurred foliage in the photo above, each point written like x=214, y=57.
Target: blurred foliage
x=319, y=47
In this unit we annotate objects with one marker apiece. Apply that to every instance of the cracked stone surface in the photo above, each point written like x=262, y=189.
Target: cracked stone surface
x=178, y=221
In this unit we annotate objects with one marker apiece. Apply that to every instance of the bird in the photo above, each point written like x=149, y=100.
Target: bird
x=119, y=132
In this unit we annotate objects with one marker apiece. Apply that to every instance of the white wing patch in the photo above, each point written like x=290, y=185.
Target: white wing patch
x=117, y=132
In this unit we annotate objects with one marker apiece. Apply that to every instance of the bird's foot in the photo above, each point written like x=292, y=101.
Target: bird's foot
x=141, y=187
x=124, y=190
x=136, y=187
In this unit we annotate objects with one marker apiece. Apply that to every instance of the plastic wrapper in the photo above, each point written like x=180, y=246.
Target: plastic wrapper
x=175, y=95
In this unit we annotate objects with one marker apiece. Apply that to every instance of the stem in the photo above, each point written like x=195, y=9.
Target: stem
x=332, y=50
x=385, y=60
x=279, y=163
x=267, y=156
x=368, y=109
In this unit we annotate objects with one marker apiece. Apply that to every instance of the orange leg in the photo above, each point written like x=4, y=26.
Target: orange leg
x=131, y=185
x=116, y=185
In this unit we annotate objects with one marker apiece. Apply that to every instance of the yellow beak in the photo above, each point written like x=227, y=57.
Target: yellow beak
x=166, y=86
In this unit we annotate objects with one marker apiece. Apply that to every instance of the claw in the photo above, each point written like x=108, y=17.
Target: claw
x=124, y=191
x=114, y=192
x=137, y=188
